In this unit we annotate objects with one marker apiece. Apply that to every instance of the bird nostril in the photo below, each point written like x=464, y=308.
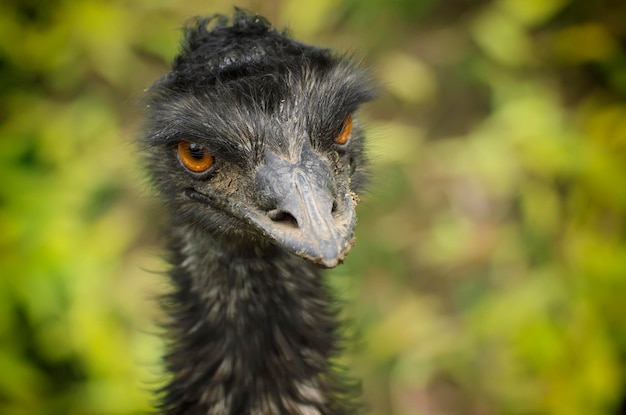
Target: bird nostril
x=334, y=208
x=278, y=215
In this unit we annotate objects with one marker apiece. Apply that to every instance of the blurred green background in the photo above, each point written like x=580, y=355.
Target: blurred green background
x=489, y=276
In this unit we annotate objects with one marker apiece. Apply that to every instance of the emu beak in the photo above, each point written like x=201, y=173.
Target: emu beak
x=306, y=217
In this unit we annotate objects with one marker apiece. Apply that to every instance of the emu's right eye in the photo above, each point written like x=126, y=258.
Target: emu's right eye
x=195, y=158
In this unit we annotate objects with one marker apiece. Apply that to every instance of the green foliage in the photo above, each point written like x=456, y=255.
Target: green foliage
x=491, y=258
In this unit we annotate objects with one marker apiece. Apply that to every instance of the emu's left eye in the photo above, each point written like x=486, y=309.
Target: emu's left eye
x=195, y=158
x=343, y=137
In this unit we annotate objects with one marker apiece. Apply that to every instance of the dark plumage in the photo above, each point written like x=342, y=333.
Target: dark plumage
x=253, y=326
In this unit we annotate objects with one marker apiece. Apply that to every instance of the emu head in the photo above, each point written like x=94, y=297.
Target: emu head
x=253, y=138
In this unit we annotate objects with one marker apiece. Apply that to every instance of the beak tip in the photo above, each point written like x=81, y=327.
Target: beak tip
x=332, y=258
x=329, y=263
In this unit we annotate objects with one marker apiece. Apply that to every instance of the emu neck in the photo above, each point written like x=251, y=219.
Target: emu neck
x=251, y=333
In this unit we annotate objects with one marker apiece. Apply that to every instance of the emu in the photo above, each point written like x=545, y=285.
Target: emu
x=252, y=140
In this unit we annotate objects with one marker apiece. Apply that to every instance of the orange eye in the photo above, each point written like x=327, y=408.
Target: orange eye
x=346, y=131
x=194, y=157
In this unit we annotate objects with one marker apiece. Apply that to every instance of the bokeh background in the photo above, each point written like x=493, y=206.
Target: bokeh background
x=489, y=276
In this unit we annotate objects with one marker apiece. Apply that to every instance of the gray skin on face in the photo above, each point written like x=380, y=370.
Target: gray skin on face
x=278, y=174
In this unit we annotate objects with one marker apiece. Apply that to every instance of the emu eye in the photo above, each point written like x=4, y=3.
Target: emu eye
x=195, y=157
x=343, y=137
